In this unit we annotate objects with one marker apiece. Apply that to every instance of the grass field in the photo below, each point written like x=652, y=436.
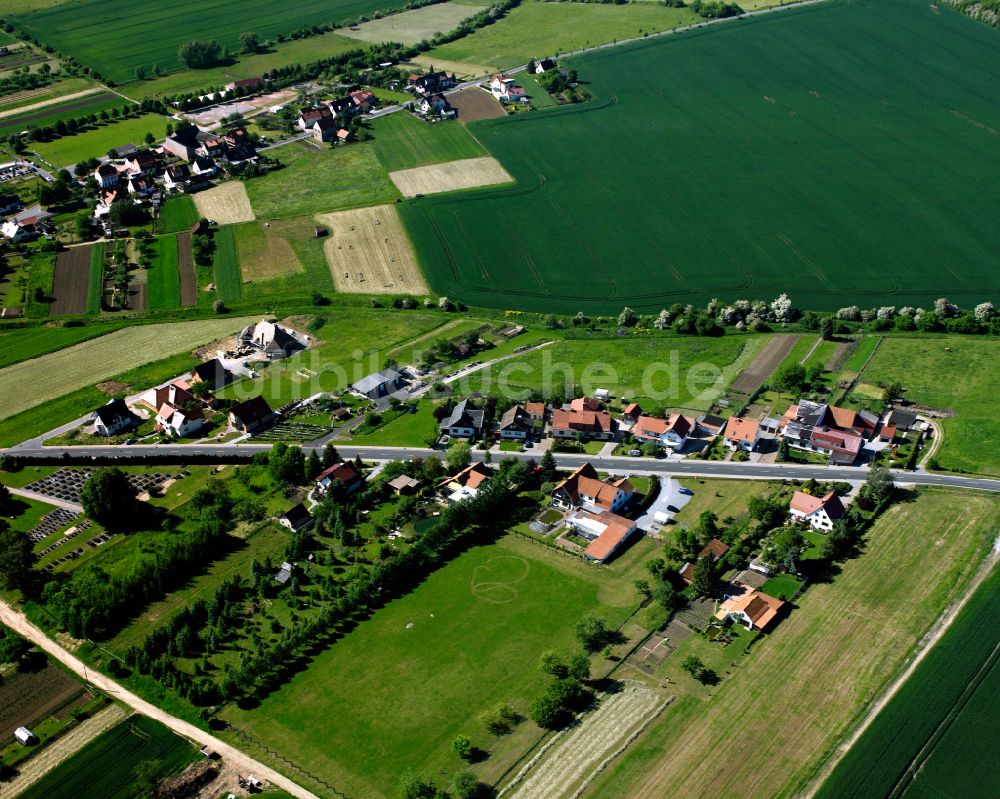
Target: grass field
x=43, y=94
x=469, y=173
x=410, y=27
x=935, y=738
x=95, y=288
x=226, y=204
x=70, y=109
x=40, y=276
x=402, y=141
x=897, y=197
x=819, y=668
x=23, y=345
x=265, y=252
x=105, y=40
x=479, y=625
x=59, y=373
x=952, y=374
x=178, y=214
x=164, y=281
x=104, y=768
x=346, y=177
x=95, y=143
x=226, y=267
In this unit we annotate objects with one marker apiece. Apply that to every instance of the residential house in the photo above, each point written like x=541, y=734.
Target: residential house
x=670, y=433
x=466, y=483
x=281, y=578
x=818, y=512
x=582, y=425
x=309, y=116
x=902, y=420
x=364, y=100
x=714, y=549
x=251, y=415
x=203, y=165
x=176, y=393
x=211, y=372
x=210, y=144
x=742, y=433
x=753, y=609
x=435, y=103
x=887, y=433
x=143, y=162
x=297, y=518
x=141, y=187
x=380, y=384
x=586, y=404
x=585, y=489
x=113, y=418
x=341, y=479
x=404, y=485
x=197, y=183
x=465, y=421
x=544, y=65
x=183, y=143
x=180, y=421
x=430, y=83
x=342, y=106
x=16, y=232
x=798, y=422
x=515, y=424
x=712, y=425
x=238, y=145
x=535, y=411
x=841, y=448
x=506, y=90
x=106, y=176
x=271, y=339
x=177, y=176
x=10, y=203
x=325, y=129
x=631, y=414
x=605, y=531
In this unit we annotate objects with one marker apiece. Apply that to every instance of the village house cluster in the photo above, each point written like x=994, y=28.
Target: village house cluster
x=329, y=120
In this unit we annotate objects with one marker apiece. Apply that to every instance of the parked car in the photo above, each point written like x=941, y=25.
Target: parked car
x=687, y=491
x=673, y=509
x=635, y=452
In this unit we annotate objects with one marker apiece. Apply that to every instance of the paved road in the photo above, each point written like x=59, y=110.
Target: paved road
x=18, y=622
x=223, y=453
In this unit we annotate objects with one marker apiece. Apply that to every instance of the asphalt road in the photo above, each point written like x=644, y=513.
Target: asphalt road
x=220, y=453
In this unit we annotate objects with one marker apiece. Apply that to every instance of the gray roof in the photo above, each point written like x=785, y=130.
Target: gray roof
x=903, y=419
x=112, y=413
x=515, y=417
x=373, y=381
x=465, y=414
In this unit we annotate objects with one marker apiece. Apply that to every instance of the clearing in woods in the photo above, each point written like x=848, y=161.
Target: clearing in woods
x=264, y=251
x=469, y=173
x=72, y=278
x=767, y=360
x=890, y=595
x=368, y=252
x=227, y=204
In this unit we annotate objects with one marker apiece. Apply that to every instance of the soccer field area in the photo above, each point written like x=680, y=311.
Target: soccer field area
x=844, y=153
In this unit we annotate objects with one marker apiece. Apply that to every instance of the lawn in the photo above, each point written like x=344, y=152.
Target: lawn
x=102, y=38
x=104, y=768
x=402, y=141
x=723, y=497
x=819, y=668
x=40, y=276
x=870, y=222
x=953, y=374
x=535, y=29
x=23, y=345
x=408, y=430
x=178, y=214
x=345, y=177
x=405, y=682
x=69, y=109
x=226, y=266
x=164, y=281
x=81, y=365
x=95, y=143
x=95, y=284
x=782, y=586
x=862, y=352
x=672, y=372
x=28, y=512
x=949, y=706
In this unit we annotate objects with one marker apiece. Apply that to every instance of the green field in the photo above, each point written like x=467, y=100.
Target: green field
x=729, y=199
x=178, y=214
x=100, y=36
x=44, y=94
x=95, y=143
x=70, y=109
x=400, y=694
x=40, y=276
x=23, y=345
x=410, y=27
x=104, y=768
x=95, y=286
x=164, y=281
x=951, y=374
x=226, y=266
x=536, y=29
x=402, y=141
x=346, y=177
x=942, y=723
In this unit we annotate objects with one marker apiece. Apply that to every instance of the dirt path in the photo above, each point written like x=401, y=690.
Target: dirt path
x=51, y=101
x=941, y=626
x=76, y=507
x=61, y=749
x=18, y=622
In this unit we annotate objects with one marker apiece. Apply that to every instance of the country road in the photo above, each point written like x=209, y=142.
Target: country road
x=18, y=622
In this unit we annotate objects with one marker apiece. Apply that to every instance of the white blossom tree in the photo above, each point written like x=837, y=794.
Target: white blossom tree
x=886, y=312
x=662, y=321
x=985, y=311
x=852, y=313
x=781, y=309
x=627, y=317
x=944, y=308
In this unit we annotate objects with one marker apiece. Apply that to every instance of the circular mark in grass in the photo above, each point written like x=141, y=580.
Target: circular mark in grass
x=494, y=580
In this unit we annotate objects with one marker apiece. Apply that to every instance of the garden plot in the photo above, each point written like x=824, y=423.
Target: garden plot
x=469, y=173
x=34, y=695
x=72, y=278
x=227, y=204
x=567, y=764
x=368, y=252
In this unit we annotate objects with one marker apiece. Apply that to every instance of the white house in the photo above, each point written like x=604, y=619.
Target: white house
x=465, y=421
x=12, y=231
x=584, y=489
x=506, y=90
x=742, y=433
x=113, y=418
x=670, y=433
x=818, y=512
x=177, y=422
x=106, y=176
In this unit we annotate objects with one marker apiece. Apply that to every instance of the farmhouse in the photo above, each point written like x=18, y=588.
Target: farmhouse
x=380, y=384
x=670, y=433
x=466, y=483
x=801, y=419
x=607, y=532
x=742, y=433
x=753, y=609
x=177, y=176
x=403, y=485
x=143, y=162
x=515, y=424
x=819, y=512
x=363, y=100
x=435, y=104
x=250, y=416
x=584, y=489
x=310, y=116
x=205, y=166
x=113, y=418
x=140, y=186
x=179, y=422
x=465, y=421
x=506, y=90
x=429, y=83
x=339, y=480
x=183, y=143
x=582, y=425
x=297, y=518
x=325, y=129
x=586, y=404
x=269, y=338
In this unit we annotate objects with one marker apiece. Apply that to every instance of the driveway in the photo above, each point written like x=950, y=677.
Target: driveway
x=670, y=494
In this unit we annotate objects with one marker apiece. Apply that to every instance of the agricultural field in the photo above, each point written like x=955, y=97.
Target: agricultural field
x=37, y=341
x=266, y=252
x=186, y=268
x=473, y=630
x=345, y=177
x=89, y=362
x=226, y=267
x=949, y=373
x=54, y=92
x=818, y=670
x=67, y=109
x=410, y=27
x=178, y=214
x=369, y=253
x=163, y=278
x=468, y=173
x=786, y=221
x=672, y=372
x=226, y=204
x=402, y=141
x=95, y=143
x=95, y=33
x=31, y=696
x=104, y=768
x=936, y=736
x=71, y=284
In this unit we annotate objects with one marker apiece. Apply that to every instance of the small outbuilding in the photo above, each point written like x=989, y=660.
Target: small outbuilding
x=404, y=484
